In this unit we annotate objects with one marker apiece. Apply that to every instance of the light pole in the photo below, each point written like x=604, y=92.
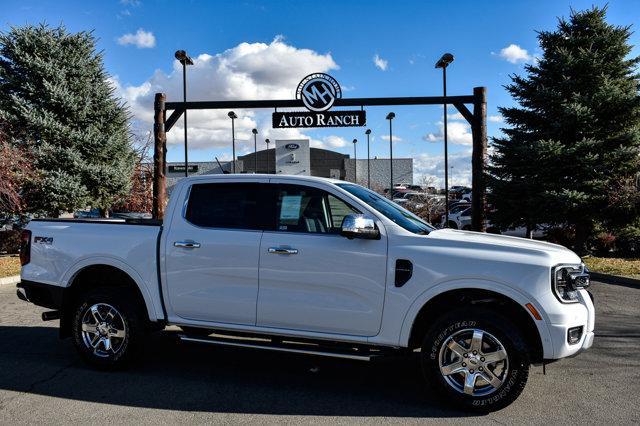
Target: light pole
x=232, y=115
x=185, y=60
x=355, y=162
x=443, y=62
x=390, y=117
x=368, y=132
x=255, y=150
x=267, y=142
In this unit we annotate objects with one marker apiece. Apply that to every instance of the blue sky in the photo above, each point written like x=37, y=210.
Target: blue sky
x=251, y=49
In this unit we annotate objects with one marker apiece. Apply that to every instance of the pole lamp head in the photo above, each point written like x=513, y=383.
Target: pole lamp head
x=367, y=132
x=184, y=59
x=267, y=141
x=444, y=61
x=391, y=116
x=355, y=141
x=254, y=131
x=232, y=115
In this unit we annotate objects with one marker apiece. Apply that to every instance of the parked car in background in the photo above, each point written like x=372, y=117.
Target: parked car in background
x=409, y=197
x=455, y=209
x=87, y=214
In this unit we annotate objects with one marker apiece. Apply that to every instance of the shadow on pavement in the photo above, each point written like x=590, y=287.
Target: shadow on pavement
x=191, y=377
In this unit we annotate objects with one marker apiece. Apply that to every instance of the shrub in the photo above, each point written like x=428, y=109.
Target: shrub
x=628, y=241
x=10, y=242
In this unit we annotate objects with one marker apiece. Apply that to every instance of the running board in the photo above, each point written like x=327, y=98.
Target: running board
x=308, y=349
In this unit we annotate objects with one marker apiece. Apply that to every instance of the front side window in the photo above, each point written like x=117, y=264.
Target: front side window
x=224, y=205
x=309, y=210
x=392, y=211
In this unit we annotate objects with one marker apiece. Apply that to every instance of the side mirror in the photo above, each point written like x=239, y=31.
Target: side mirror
x=359, y=226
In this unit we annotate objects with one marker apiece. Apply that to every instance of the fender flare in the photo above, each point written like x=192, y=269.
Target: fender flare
x=480, y=284
x=83, y=263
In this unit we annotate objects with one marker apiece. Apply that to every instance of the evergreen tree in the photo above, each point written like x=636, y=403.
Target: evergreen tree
x=576, y=132
x=58, y=103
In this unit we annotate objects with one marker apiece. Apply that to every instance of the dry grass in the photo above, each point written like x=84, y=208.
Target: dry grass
x=614, y=266
x=9, y=266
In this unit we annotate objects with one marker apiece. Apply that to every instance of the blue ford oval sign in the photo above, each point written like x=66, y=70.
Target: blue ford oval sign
x=292, y=146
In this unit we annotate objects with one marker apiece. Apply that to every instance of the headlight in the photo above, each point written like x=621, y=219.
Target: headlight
x=566, y=280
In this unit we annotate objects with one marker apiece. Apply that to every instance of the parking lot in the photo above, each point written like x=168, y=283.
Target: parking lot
x=43, y=381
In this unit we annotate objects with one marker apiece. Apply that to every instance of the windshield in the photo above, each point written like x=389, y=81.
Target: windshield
x=394, y=212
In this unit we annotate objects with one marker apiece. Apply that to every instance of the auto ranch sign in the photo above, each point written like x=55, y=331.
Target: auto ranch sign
x=318, y=93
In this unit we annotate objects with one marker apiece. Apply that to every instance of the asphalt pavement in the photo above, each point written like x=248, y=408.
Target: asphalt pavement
x=42, y=380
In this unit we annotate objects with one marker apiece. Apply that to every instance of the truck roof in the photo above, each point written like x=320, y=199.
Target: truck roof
x=265, y=176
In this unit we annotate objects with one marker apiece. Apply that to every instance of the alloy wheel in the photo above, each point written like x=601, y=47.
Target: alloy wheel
x=473, y=362
x=103, y=330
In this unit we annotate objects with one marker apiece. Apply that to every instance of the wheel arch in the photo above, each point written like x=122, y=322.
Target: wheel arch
x=112, y=272
x=430, y=306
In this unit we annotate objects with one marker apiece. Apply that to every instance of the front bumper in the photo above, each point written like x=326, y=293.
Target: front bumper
x=573, y=315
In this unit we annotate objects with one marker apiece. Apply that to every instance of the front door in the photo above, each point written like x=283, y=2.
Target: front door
x=312, y=278
x=212, y=251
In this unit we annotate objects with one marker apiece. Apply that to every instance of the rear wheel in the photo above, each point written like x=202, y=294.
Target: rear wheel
x=107, y=327
x=475, y=358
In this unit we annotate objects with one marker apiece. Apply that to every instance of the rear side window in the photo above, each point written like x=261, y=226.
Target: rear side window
x=224, y=205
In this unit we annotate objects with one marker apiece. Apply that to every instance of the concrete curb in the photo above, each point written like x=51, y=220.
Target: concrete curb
x=10, y=280
x=614, y=279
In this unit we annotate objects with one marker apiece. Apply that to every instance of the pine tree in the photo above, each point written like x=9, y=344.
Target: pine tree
x=58, y=103
x=576, y=132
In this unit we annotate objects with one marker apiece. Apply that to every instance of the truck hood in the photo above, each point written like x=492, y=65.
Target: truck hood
x=501, y=243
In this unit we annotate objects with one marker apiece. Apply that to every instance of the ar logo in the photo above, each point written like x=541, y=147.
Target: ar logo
x=318, y=92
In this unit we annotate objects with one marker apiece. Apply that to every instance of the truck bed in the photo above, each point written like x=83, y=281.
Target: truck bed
x=61, y=248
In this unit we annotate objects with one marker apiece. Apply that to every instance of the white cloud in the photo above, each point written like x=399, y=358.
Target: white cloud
x=245, y=72
x=433, y=167
x=395, y=138
x=380, y=63
x=455, y=116
x=514, y=54
x=496, y=118
x=458, y=133
x=141, y=39
x=334, y=141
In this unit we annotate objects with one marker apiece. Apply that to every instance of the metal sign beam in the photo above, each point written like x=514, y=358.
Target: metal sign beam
x=297, y=103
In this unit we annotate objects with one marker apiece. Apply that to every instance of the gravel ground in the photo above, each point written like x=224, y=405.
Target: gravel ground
x=43, y=381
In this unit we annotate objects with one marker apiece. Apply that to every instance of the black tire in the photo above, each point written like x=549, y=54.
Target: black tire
x=496, y=328
x=452, y=225
x=129, y=320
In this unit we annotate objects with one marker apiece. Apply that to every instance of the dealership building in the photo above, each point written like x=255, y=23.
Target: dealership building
x=295, y=157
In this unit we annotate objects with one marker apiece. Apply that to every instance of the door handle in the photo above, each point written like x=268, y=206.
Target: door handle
x=281, y=250
x=186, y=244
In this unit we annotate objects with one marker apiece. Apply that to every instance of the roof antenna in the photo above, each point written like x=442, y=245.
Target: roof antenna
x=220, y=165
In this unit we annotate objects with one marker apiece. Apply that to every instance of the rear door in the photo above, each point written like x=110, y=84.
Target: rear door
x=212, y=253
x=311, y=277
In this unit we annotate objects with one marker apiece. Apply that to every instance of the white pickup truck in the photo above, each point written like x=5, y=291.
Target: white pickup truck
x=313, y=266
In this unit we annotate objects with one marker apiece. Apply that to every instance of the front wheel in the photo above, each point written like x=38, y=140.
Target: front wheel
x=476, y=359
x=107, y=327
